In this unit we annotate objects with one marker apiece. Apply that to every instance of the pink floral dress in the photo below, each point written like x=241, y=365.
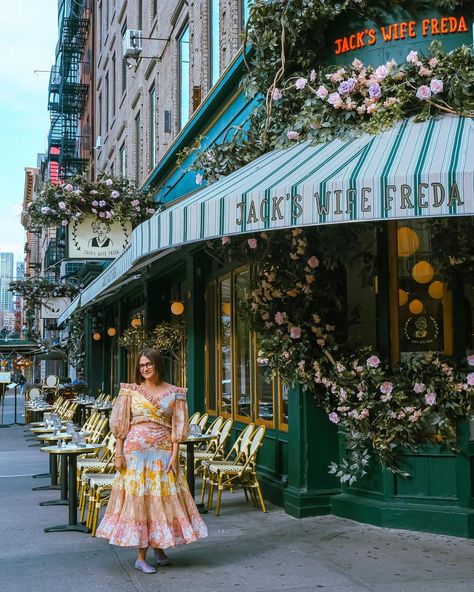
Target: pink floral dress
x=149, y=506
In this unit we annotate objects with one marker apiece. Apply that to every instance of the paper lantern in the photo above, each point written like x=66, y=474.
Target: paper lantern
x=177, y=308
x=402, y=297
x=416, y=306
x=111, y=331
x=136, y=322
x=226, y=308
x=96, y=336
x=407, y=242
x=436, y=289
x=422, y=272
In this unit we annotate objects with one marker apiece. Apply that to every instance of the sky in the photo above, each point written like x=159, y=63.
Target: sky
x=24, y=118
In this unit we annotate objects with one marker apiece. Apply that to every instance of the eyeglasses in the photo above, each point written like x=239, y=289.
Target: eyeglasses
x=147, y=366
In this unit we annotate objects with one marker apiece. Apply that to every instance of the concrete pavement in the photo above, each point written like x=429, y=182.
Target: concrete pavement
x=245, y=550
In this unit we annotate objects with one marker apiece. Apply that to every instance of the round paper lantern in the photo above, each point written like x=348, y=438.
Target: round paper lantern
x=226, y=309
x=96, y=336
x=422, y=272
x=111, y=331
x=416, y=306
x=136, y=322
x=177, y=308
x=402, y=297
x=407, y=242
x=435, y=290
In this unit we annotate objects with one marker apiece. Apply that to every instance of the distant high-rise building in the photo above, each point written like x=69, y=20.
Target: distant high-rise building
x=6, y=276
x=20, y=270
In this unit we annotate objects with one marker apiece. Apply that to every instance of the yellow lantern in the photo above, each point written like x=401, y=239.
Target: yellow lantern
x=177, y=308
x=226, y=308
x=136, y=322
x=407, y=242
x=422, y=272
x=111, y=331
x=416, y=306
x=402, y=297
x=436, y=289
x=96, y=336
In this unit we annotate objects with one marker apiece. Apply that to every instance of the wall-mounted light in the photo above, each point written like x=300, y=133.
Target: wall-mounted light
x=96, y=336
x=136, y=322
x=177, y=308
x=111, y=331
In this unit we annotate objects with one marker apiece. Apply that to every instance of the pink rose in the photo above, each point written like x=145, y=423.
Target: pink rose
x=322, y=92
x=386, y=388
x=381, y=72
x=252, y=243
x=436, y=86
x=295, y=332
x=292, y=135
x=286, y=355
x=277, y=94
x=225, y=240
x=470, y=360
x=68, y=187
x=333, y=417
x=61, y=205
x=423, y=93
x=430, y=398
x=334, y=99
x=108, y=182
x=412, y=57
x=419, y=387
x=300, y=83
x=313, y=262
x=151, y=211
x=373, y=362
x=135, y=202
x=114, y=194
x=280, y=318
x=64, y=222
x=470, y=379
x=199, y=179
x=312, y=76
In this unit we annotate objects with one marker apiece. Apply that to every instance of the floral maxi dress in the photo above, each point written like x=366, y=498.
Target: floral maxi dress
x=149, y=506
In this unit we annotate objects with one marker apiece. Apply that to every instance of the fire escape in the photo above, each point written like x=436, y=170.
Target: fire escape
x=68, y=96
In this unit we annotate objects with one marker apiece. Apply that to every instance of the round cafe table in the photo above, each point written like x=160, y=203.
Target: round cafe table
x=191, y=442
x=69, y=456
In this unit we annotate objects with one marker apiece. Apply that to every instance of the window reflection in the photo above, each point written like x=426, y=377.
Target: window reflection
x=184, y=77
x=225, y=339
x=242, y=346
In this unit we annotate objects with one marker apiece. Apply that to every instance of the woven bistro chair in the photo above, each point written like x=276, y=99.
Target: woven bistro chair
x=238, y=474
x=100, y=487
x=208, y=448
x=237, y=454
x=194, y=418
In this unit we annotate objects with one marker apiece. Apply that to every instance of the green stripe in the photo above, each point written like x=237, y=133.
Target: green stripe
x=420, y=164
x=355, y=174
x=185, y=222
x=203, y=217
x=221, y=215
x=170, y=228
x=455, y=158
x=388, y=165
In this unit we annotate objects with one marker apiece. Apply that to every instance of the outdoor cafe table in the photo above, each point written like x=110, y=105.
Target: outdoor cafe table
x=69, y=456
x=191, y=442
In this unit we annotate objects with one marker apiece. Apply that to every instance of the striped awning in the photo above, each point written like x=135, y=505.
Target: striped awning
x=412, y=170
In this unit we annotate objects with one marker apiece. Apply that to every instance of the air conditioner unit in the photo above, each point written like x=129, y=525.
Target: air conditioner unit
x=98, y=142
x=132, y=43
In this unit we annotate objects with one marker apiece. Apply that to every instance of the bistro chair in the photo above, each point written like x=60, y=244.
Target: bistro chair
x=202, y=421
x=100, y=487
x=237, y=454
x=50, y=386
x=194, y=418
x=212, y=430
x=238, y=474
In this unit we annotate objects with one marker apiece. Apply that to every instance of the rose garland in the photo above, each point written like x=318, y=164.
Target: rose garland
x=294, y=306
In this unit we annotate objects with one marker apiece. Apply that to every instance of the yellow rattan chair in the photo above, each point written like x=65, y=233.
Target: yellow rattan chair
x=100, y=487
x=194, y=418
x=238, y=474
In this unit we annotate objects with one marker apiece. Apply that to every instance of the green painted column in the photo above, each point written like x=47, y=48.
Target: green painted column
x=195, y=322
x=312, y=445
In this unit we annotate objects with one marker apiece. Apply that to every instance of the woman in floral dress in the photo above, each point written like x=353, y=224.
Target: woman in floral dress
x=150, y=504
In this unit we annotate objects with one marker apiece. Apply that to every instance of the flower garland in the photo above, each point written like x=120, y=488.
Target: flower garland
x=76, y=343
x=109, y=198
x=294, y=305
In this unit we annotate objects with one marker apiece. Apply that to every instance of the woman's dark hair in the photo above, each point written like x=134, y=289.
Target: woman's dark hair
x=155, y=358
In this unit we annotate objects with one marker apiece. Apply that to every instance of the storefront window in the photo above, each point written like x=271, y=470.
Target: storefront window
x=242, y=349
x=469, y=316
x=225, y=344
x=283, y=406
x=265, y=389
x=211, y=351
x=424, y=303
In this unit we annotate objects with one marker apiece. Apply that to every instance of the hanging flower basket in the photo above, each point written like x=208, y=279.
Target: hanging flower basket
x=112, y=199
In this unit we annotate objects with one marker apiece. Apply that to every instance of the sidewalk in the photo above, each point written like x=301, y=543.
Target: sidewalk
x=245, y=550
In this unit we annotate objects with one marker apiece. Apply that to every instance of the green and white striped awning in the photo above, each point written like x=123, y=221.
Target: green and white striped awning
x=412, y=170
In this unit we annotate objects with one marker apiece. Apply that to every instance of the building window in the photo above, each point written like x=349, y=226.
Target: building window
x=140, y=15
x=214, y=41
x=184, y=77
x=114, y=84
x=154, y=8
x=99, y=23
x=123, y=160
x=152, y=106
x=138, y=147
x=107, y=102
x=245, y=12
x=100, y=115
x=124, y=63
x=236, y=385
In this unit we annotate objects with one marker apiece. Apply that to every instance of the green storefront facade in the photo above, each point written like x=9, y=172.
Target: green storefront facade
x=222, y=372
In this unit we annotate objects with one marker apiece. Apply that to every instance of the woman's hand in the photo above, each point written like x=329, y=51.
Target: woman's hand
x=119, y=462
x=173, y=464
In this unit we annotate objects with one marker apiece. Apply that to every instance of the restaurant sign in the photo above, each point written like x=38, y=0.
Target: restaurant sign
x=94, y=238
x=400, y=31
